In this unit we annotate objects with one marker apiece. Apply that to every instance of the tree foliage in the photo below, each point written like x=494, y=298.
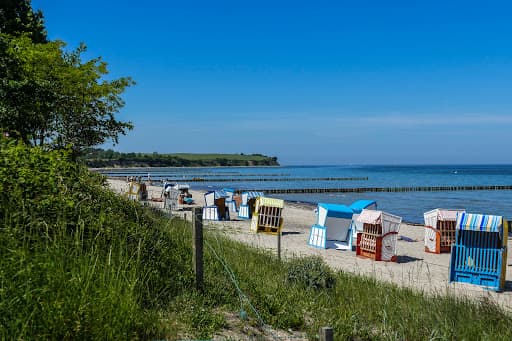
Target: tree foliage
x=49, y=96
x=17, y=17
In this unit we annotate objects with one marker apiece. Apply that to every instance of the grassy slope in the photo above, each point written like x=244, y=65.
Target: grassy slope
x=101, y=158
x=237, y=157
x=79, y=262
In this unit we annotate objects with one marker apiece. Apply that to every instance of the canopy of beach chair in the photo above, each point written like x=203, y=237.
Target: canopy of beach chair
x=359, y=205
x=480, y=222
x=389, y=222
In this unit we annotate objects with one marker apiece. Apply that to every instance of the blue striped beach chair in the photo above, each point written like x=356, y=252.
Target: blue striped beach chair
x=230, y=203
x=248, y=202
x=480, y=251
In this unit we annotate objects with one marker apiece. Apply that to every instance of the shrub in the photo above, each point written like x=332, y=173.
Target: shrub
x=310, y=272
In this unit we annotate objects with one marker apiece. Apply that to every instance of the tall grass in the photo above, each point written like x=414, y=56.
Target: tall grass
x=78, y=262
x=356, y=307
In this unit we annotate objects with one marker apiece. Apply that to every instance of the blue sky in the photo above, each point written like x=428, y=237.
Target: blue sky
x=311, y=82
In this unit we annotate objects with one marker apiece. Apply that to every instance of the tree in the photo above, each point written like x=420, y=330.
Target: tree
x=48, y=95
x=53, y=98
x=17, y=18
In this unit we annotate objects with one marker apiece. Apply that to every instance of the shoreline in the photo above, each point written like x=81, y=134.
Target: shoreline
x=424, y=272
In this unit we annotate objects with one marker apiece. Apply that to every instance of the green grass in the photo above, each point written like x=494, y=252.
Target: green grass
x=356, y=307
x=78, y=262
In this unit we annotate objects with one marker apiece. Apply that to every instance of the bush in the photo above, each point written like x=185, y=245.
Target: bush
x=310, y=272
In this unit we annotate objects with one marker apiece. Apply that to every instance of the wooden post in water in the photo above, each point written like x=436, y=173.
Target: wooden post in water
x=197, y=245
x=326, y=334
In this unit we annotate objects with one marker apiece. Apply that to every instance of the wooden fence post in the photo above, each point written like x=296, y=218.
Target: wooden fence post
x=326, y=334
x=279, y=244
x=197, y=245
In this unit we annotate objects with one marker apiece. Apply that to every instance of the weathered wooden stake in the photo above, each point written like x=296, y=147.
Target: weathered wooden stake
x=326, y=334
x=197, y=245
x=279, y=244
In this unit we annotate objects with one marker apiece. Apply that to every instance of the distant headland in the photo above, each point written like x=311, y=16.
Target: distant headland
x=99, y=158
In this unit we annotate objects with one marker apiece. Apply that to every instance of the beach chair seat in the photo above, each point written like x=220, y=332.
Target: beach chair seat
x=440, y=230
x=479, y=255
x=379, y=237
x=267, y=216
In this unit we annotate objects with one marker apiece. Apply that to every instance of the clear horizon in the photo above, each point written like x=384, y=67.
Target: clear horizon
x=310, y=83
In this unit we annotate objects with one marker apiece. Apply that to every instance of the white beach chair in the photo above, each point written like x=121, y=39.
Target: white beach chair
x=379, y=237
x=215, y=206
x=333, y=228
x=440, y=229
x=171, y=200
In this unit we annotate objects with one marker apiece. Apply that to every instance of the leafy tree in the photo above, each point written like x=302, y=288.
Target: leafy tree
x=17, y=17
x=48, y=95
x=51, y=97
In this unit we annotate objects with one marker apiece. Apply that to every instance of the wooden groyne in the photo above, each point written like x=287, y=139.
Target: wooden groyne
x=382, y=189
x=270, y=179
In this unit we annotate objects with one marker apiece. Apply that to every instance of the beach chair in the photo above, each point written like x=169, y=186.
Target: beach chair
x=358, y=206
x=215, y=206
x=379, y=236
x=333, y=228
x=267, y=215
x=440, y=230
x=171, y=200
x=231, y=204
x=137, y=191
x=479, y=255
x=247, y=206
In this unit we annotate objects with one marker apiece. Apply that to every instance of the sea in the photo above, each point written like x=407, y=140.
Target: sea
x=409, y=205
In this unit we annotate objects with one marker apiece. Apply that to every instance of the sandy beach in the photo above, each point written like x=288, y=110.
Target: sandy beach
x=415, y=268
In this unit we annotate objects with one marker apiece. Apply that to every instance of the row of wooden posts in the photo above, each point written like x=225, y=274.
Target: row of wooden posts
x=325, y=333
x=225, y=174
x=381, y=189
x=269, y=179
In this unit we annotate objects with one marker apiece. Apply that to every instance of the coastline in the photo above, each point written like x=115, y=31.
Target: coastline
x=96, y=169
x=424, y=272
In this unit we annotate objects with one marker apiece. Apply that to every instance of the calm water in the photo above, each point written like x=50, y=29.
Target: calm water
x=409, y=205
